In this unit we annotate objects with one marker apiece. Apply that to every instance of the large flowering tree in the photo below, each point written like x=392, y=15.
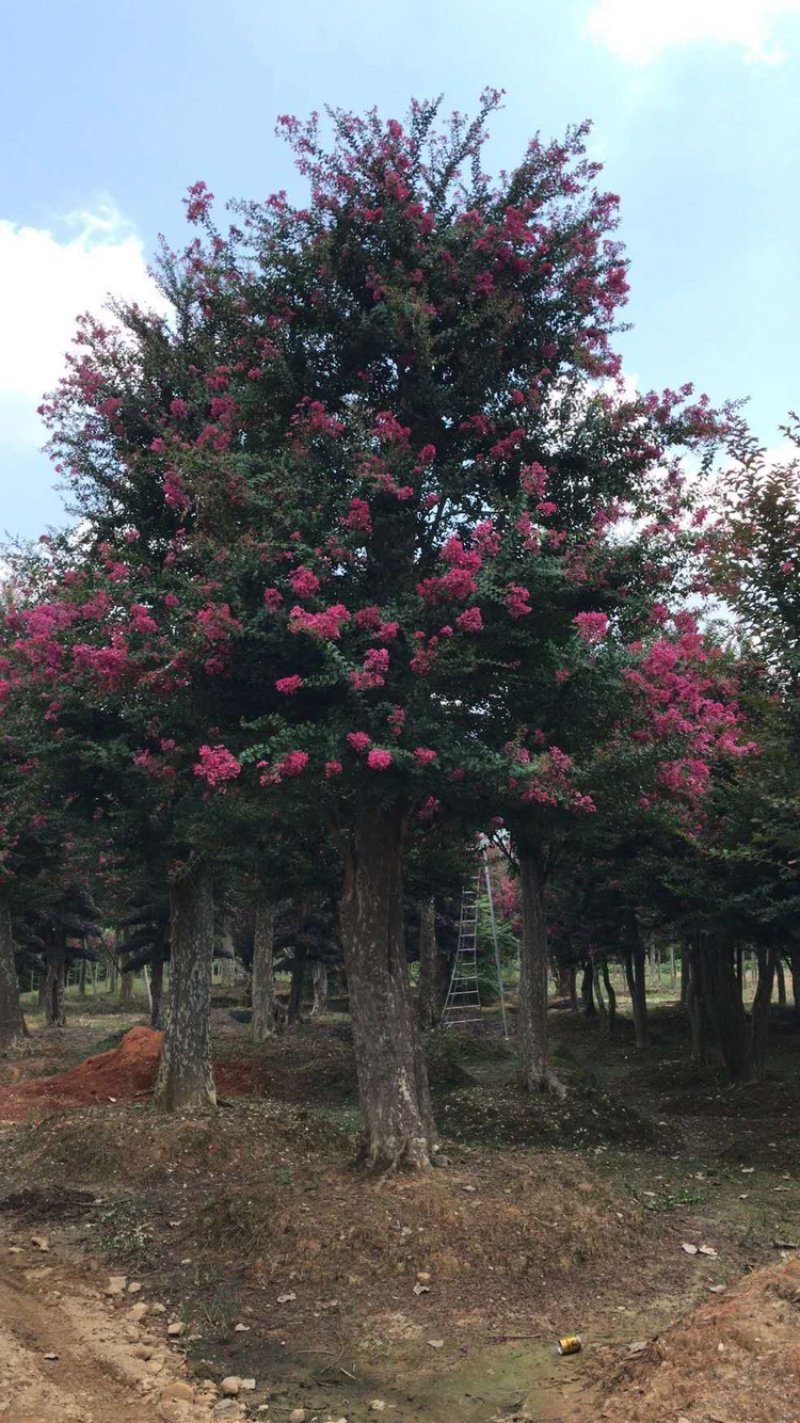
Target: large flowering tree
x=342, y=505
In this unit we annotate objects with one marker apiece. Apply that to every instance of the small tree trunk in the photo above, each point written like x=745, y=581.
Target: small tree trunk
x=185, y=1079
x=263, y=975
x=611, y=995
x=157, y=995
x=296, y=986
x=759, y=1017
x=673, y=977
x=794, y=965
x=55, y=1003
x=602, y=1010
x=227, y=967
x=781, y=977
x=319, y=980
x=126, y=990
x=536, y=1074
x=587, y=994
x=392, y=1077
x=572, y=988
x=82, y=978
x=695, y=1003
x=12, y=1023
x=727, y=1012
x=635, y=979
x=428, y=956
x=685, y=966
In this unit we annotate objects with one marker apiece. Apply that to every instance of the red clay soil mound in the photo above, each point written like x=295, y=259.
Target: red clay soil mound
x=124, y=1073
x=734, y=1360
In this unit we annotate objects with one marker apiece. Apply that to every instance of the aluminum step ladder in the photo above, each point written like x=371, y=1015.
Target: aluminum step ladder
x=462, y=1007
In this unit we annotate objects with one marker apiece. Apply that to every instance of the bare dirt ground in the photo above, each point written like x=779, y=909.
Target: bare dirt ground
x=438, y=1299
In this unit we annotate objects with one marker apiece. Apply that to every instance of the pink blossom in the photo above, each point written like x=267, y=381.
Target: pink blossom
x=470, y=620
x=517, y=600
x=217, y=623
x=304, y=582
x=358, y=740
x=217, y=764
x=358, y=517
x=293, y=763
x=592, y=627
x=379, y=760
x=179, y=409
x=287, y=686
x=332, y=768
x=424, y=755
x=273, y=599
x=325, y=625
x=141, y=620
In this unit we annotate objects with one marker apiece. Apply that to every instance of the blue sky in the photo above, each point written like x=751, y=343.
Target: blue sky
x=109, y=110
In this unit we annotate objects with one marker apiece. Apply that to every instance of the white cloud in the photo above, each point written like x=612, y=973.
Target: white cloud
x=637, y=31
x=45, y=283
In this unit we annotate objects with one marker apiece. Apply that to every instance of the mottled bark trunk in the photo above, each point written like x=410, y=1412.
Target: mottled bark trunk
x=319, y=982
x=727, y=1011
x=82, y=978
x=780, y=975
x=263, y=976
x=392, y=1077
x=157, y=995
x=532, y=1016
x=427, y=1017
x=759, y=1018
x=126, y=990
x=185, y=1079
x=296, y=986
x=12, y=1023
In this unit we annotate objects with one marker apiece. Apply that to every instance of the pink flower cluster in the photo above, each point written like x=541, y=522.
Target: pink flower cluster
x=591, y=627
x=217, y=764
x=326, y=625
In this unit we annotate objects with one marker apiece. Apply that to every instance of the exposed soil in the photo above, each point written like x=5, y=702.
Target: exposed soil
x=442, y=1297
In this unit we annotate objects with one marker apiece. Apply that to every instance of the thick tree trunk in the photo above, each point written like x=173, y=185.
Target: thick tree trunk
x=319, y=980
x=392, y=1077
x=12, y=1023
x=727, y=1011
x=157, y=995
x=263, y=976
x=781, y=977
x=296, y=986
x=532, y=1017
x=635, y=979
x=82, y=978
x=185, y=1079
x=759, y=1016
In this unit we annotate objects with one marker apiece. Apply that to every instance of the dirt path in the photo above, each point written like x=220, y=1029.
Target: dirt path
x=110, y=1367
